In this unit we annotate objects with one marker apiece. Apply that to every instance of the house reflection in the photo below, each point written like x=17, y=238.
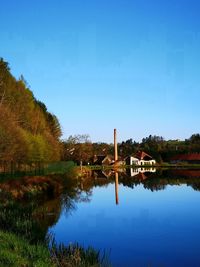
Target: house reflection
x=102, y=174
x=137, y=171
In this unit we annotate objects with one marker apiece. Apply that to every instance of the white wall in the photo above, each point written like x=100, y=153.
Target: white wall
x=135, y=161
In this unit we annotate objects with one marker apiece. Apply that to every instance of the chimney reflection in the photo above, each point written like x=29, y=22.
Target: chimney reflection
x=116, y=188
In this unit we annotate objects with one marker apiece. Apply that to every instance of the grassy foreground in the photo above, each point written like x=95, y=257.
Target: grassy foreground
x=15, y=252
x=18, y=252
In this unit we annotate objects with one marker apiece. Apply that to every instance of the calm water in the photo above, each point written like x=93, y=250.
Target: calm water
x=139, y=218
x=155, y=223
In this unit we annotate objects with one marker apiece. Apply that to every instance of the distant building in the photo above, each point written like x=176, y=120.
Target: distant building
x=103, y=160
x=107, y=160
x=191, y=158
x=141, y=158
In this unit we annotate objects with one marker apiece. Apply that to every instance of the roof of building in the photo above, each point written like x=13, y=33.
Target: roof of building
x=141, y=155
x=99, y=159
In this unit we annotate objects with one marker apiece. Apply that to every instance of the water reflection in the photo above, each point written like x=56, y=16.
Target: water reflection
x=138, y=171
x=116, y=188
x=145, y=228
x=84, y=210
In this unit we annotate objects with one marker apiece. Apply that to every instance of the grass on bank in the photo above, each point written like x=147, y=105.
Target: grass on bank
x=60, y=167
x=15, y=252
x=23, y=243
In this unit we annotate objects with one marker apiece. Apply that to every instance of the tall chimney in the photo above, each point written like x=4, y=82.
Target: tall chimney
x=115, y=144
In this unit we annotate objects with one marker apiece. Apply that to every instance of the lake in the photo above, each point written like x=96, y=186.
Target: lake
x=141, y=217
x=154, y=220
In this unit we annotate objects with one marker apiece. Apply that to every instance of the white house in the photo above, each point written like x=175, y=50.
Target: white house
x=141, y=158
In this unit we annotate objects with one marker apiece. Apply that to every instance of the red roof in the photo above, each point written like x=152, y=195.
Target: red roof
x=142, y=155
x=192, y=156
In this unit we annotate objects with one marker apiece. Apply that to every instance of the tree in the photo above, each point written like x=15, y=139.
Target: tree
x=78, y=148
x=28, y=132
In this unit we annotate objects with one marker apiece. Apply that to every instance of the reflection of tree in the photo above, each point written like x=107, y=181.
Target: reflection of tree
x=29, y=206
x=159, y=180
x=154, y=187
x=76, y=193
x=68, y=204
x=47, y=213
x=85, y=196
x=196, y=186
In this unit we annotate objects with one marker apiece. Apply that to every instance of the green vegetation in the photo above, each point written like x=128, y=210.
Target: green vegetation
x=60, y=167
x=29, y=134
x=15, y=252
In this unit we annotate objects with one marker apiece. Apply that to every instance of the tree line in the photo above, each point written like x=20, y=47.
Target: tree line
x=28, y=132
x=80, y=148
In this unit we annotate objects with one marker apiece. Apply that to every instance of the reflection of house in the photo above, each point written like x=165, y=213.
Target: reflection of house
x=135, y=171
x=103, y=160
x=141, y=158
x=193, y=158
x=98, y=174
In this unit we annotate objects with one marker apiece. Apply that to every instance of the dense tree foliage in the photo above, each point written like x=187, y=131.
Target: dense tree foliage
x=28, y=132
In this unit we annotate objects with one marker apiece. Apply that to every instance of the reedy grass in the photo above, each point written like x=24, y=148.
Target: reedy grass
x=75, y=255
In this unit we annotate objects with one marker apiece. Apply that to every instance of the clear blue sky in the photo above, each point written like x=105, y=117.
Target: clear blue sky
x=99, y=65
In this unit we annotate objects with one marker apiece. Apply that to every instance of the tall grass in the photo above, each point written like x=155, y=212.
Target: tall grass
x=75, y=255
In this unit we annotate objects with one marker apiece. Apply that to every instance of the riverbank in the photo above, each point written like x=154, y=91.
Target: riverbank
x=16, y=251
x=163, y=165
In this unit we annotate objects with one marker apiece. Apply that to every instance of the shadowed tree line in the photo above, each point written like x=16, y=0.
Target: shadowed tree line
x=28, y=132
